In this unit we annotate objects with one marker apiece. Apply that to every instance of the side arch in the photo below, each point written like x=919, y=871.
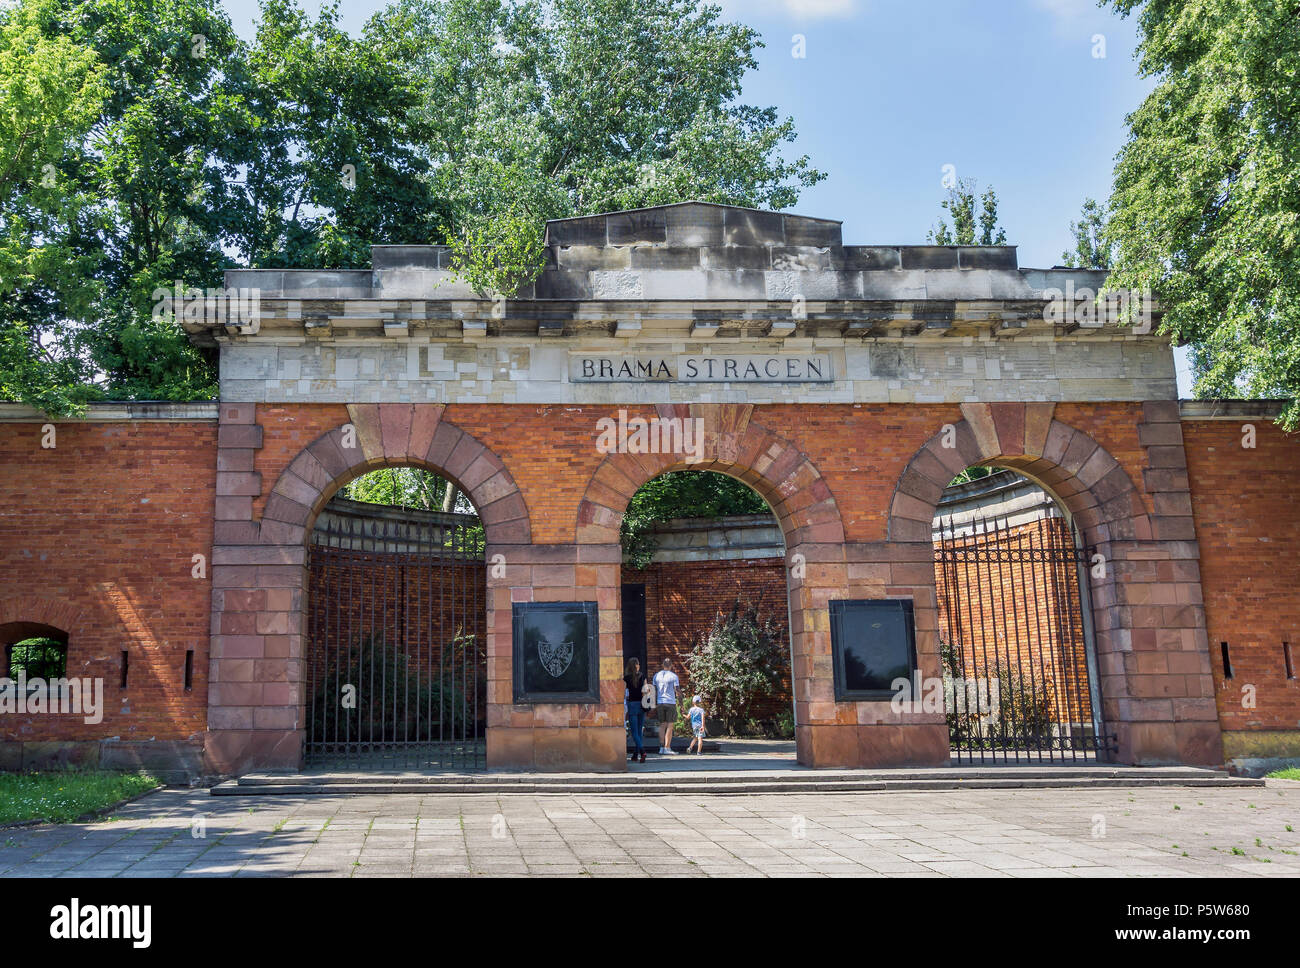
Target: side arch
x=388, y=435
x=1070, y=465
x=781, y=473
x=256, y=698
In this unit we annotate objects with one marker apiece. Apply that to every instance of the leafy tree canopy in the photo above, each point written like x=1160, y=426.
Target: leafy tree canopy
x=1092, y=249
x=1206, y=201
x=960, y=206
x=407, y=487
x=52, y=89
x=540, y=109
x=682, y=494
x=143, y=143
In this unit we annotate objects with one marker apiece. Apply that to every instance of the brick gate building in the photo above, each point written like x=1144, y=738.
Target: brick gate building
x=847, y=385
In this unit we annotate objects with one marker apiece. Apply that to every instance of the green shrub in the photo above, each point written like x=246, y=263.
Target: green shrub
x=39, y=658
x=1024, y=711
x=742, y=657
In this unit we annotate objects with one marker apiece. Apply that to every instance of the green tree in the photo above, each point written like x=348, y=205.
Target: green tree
x=179, y=150
x=681, y=494
x=1091, y=247
x=148, y=168
x=1206, y=201
x=543, y=109
x=420, y=490
x=405, y=487
x=960, y=206
x=325, y=155
x=51, y=91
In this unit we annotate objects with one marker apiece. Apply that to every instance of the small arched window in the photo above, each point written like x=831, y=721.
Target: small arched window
x=34, y=651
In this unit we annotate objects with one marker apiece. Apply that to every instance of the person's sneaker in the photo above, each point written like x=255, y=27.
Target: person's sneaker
x=661, y=751
x=668, y=752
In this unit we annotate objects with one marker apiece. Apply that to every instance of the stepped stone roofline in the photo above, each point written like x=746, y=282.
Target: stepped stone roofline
x=716, y=269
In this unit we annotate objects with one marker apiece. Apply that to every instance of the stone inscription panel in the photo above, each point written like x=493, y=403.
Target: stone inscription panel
x=711, y=368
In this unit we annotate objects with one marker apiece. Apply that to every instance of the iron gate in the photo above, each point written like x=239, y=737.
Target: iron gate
x=1020, y=681
x=397, y=675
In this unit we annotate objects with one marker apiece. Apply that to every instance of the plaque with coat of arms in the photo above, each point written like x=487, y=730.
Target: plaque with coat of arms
x=556, y=654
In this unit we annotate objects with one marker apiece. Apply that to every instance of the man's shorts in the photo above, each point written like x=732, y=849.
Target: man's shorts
x=666, y=713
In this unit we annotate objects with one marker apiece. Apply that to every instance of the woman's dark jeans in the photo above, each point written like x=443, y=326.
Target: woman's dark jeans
x=636, y=721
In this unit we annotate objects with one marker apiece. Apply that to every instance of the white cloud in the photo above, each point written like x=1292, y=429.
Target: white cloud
x=795, y=9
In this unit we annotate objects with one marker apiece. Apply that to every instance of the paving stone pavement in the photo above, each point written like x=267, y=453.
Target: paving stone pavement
x=1142, y=832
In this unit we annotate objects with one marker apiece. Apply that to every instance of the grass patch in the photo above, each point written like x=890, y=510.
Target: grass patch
x=1290, y=773
x=61, y=797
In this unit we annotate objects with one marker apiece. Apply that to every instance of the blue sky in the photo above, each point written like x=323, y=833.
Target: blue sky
x=1009, y=92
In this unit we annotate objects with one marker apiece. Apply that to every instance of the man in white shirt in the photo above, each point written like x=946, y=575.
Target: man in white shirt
x=665, y=683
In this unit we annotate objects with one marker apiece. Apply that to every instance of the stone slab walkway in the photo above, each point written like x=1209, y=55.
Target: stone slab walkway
x=1140, y=832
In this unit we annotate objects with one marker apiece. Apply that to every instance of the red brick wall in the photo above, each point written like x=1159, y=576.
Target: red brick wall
x=859, y=449
x=286, y=431
x=1248, y=525
x=682, y=598
x=100, y=530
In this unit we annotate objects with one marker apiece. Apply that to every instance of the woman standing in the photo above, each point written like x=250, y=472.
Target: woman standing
x=634, y=681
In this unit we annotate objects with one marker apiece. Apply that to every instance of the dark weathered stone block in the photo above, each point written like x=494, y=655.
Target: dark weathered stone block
x=644, y=226
x=694, y=225
x=577, y=231
x=928, y=256
x=665, y=257
x=987, y=257
x=872, y=257
x=745, y=227
x=758, y=257
x=812, y=231
x=557, y=284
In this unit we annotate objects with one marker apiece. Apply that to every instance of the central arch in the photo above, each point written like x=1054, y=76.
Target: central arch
x=732, y=443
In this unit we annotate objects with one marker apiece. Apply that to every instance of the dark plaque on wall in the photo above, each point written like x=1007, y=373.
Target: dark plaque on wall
x=874, y=643
x=556, y=652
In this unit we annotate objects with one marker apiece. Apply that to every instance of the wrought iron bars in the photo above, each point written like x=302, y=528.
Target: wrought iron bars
x=1015, y=642
x=397, y=675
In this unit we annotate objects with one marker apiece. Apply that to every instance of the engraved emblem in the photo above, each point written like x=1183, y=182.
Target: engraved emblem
x=555, y=656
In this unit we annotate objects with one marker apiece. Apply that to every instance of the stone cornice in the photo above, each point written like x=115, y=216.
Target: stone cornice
x=116, y=411
x=1230, y=409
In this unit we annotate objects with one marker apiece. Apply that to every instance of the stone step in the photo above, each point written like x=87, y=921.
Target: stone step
x=734, y=782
